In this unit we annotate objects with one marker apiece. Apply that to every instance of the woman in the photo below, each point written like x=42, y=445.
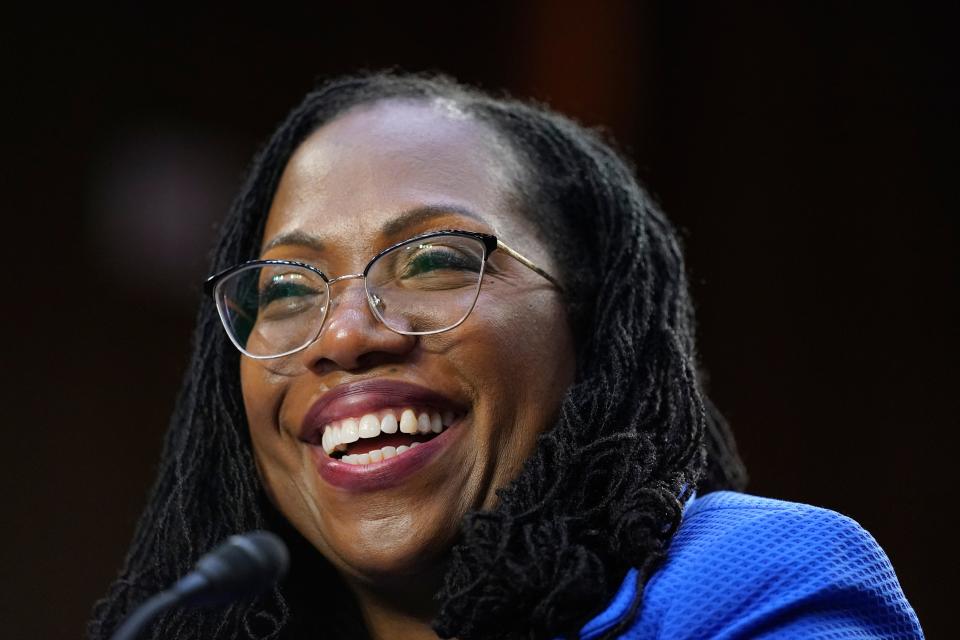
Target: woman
x=459, y=378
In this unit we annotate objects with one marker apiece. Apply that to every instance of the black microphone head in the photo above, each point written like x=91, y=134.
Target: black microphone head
x=244, y=565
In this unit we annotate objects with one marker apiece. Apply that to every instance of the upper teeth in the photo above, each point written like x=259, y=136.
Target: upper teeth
x=370, y=425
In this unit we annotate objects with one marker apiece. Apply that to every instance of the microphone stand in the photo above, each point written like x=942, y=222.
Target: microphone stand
x=141, y=618
x=242, y=566
x=144, y=615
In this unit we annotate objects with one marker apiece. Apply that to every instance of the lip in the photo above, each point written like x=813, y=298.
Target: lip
x=357, y=398
x=389, y=473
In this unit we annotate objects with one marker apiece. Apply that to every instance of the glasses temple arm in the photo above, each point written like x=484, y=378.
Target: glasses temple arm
x=522, y=260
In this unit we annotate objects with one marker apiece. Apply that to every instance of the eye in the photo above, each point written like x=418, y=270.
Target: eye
x=283, y=285
x=429, y=258
x=285, y=294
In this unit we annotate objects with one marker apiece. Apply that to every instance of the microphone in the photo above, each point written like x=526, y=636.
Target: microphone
x=242, y=566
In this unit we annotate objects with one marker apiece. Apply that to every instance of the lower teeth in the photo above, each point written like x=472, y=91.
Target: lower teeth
x=377, y=455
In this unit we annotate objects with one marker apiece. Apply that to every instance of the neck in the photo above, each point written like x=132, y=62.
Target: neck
x=384, y=621
x=401, y=611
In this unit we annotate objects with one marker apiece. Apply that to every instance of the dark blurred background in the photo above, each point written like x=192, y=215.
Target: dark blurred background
x=807, y=151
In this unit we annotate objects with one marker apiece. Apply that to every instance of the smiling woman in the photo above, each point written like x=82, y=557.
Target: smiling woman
x=458, y=376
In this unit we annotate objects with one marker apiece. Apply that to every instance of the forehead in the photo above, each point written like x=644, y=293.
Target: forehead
x=355, y=175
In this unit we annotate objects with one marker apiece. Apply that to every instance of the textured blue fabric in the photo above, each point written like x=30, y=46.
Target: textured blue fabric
x=741, y=566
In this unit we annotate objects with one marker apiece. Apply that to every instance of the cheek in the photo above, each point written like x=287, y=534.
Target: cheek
x=518, y=356
x=526, y=339
x=261, y=397
x=274, y=456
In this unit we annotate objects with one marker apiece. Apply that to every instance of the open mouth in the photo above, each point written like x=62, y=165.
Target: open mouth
x=383, y=434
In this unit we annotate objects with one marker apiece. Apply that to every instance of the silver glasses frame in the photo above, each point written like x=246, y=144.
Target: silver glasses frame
x=213, y=285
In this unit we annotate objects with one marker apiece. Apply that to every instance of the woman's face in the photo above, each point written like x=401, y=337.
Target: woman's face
x=377, y=175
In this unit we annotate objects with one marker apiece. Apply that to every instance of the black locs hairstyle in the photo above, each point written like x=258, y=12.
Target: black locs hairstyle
x=603, y=490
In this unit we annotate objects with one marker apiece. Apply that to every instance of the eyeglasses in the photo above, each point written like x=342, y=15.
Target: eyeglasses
x=425, y=285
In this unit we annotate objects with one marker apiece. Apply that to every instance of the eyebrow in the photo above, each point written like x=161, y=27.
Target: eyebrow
x=294, y=238
x=419, y=215
x=404, y=220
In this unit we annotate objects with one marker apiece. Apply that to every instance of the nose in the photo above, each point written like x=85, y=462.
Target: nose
x=352, y=337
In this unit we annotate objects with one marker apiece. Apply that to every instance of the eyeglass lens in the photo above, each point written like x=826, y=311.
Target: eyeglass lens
x=419, y=287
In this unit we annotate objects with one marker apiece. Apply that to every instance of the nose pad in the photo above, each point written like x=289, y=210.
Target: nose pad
x=353, y=336
x=351, y=300
x=376, y=304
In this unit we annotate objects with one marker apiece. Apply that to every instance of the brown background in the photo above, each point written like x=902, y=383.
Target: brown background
x=808, y=152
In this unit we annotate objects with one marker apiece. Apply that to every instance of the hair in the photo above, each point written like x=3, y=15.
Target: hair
x=603, y=490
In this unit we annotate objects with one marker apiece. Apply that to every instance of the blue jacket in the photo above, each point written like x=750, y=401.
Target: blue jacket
x=741, y=566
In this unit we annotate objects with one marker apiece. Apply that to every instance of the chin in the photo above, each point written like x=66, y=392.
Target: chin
x=389, y=553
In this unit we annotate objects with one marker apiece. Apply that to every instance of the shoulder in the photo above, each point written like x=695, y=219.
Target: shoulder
x=741, y=566
x=764, y=528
